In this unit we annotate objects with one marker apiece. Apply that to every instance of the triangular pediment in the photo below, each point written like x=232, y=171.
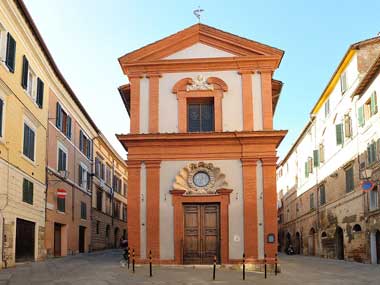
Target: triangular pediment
x=213, y=41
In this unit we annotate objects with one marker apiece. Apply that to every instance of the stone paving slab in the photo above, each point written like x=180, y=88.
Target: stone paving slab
x=103, y=268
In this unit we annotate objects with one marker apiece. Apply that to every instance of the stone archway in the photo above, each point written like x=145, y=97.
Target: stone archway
x=288, y=241
x=297, y=245
x=116, y=238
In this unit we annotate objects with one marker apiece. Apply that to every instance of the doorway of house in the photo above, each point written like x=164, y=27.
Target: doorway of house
x=298, y=243
x=25, y=232
x=57, y=239
x=311, y=242
x=201, y=233
x=116, y=238
x=82, y=238
x=339, y=243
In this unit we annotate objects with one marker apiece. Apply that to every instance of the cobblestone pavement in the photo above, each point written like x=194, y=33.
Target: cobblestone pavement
x=106, y=268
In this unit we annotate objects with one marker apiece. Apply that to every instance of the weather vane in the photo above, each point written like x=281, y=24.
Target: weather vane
x=197, y=13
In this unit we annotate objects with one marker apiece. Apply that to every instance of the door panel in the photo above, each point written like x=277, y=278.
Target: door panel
x=201, y=233
x=24, y=240
x=57, y=239
x=82, y=231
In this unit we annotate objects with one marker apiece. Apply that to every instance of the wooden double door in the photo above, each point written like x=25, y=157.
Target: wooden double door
x=201, y=233
x=25, y=232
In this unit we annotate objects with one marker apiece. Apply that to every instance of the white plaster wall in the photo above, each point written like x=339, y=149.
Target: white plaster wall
x=233, y=171
x=143, y=211
x=257, y=103
x=232, y=110
x=260, y=209
x=144, y=105
x=199, y=50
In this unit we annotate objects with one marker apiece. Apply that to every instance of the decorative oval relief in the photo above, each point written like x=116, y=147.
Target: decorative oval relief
x=200, y=178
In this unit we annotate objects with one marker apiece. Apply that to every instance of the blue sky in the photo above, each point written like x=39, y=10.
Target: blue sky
x=86, y=37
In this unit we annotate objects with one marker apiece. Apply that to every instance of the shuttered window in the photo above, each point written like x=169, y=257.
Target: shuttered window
x=316, y=157
x=200, y=117
x=61, y=204
x=29, y=142
x=85, y=144
x=347, y=126
x=40, y=93
x=27, y=191
x=62, y=160
x=311, y=201
x=349, y=179
x=24, y=75
x=373, y=103
x=63, y=121
x=339, y=134
x=10, y=57
x=361, y=116
x=373, y=199
x=371, y=153
x=310, y=164
x=327, y=108
x=306, y=169
x=1, y=116
x=322, y=194
x=99, y=200
x=83, y=210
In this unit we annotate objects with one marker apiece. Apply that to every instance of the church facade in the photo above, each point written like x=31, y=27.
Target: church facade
x=202, y=148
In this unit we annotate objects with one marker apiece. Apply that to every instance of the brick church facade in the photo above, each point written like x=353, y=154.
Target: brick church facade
x=202, y=148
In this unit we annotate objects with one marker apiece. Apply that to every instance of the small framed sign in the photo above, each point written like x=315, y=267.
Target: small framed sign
x=270, y=238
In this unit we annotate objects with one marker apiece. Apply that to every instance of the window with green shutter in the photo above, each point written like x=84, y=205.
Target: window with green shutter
x=83, y=210
x=322, y=194
x=347, y=126
x=312, y=201
x=361, y=116
x=316, y=157
x=27, y=191
x=339, y=134
x=373, y=103
x=321, y=153
x=28, y=142
x=10, y=57
x=306, y=169
x=349, y=179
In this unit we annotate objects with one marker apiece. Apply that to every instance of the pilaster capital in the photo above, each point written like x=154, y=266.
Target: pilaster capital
x=246, y=71
x=269, y=161
x=153, y=74
x=135, y=75
x=134, y=164
x=249, y=161
x=153, y=163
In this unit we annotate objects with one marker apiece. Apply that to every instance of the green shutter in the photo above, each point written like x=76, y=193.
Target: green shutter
x=306, y=169
x=24, y=75
x=68, y=127
x=10, y=57
x=40, y=93
x=58, y=117
x=361, y=116
x=316, y=157
x=373, y=103
x=339, y=134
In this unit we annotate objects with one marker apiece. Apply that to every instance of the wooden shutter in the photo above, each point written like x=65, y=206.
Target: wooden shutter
x=11, y=53
x=31, y=137
x=373, y=103
x=68, y=127
x=28, y=147
x=80, y=176
x=310, y=166
x=40, y=93
x=24, y=75
x=349, y=179
x=88, y=182
x=88, y=154
x=81, y=140
x=316, y=157
x=306, y=169
x=339, y=134
x=58, y=116
x=361, y=116
x=343, y=82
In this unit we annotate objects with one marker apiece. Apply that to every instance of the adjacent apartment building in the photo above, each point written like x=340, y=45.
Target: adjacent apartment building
x=323, y=209
x=109, y=199
x=46, y=152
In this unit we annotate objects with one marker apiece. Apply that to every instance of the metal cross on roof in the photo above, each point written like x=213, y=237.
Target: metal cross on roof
x=197, y=13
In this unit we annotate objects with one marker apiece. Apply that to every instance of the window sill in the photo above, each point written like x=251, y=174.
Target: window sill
x=60, y=212
x=28, y=159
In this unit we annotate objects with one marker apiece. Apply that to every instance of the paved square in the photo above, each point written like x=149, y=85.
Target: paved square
x=105, y=268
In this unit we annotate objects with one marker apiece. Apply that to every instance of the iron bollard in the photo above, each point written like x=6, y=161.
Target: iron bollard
x=133, y=260
x=265, y=266
x=213, y=272
x=243, y=266
x=129, y=256
x=275, y=265
x=150, y=264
